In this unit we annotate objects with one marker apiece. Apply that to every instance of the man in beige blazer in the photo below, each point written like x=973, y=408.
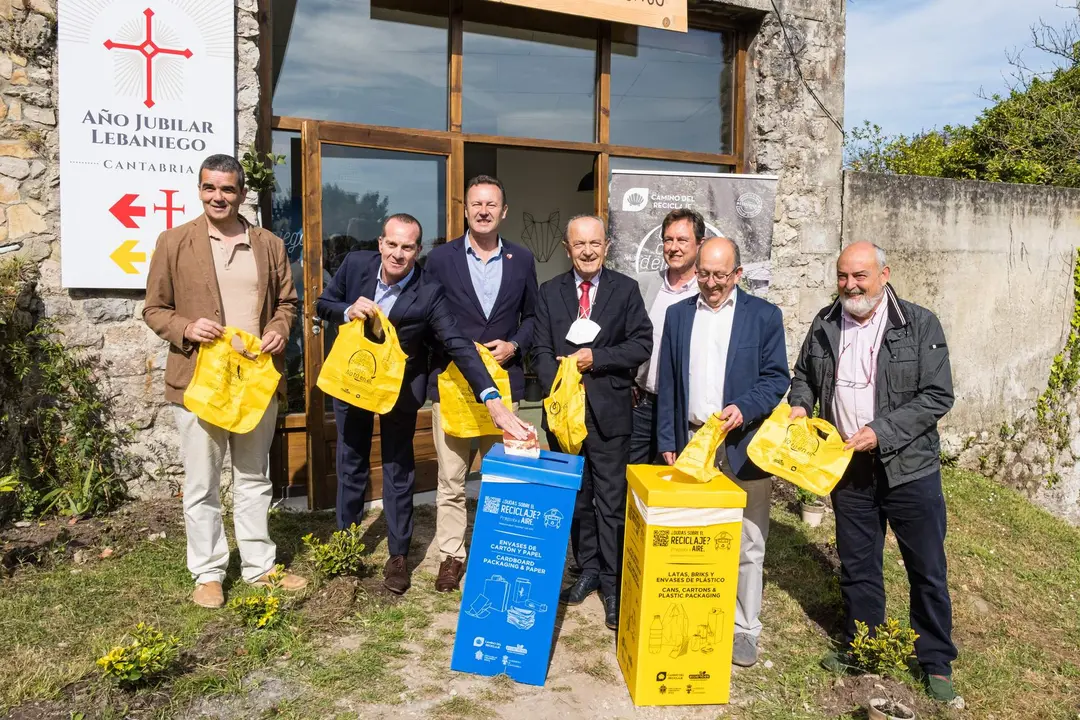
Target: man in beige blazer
x=214, y=271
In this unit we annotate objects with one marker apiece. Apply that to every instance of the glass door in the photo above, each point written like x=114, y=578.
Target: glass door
x=353, y=180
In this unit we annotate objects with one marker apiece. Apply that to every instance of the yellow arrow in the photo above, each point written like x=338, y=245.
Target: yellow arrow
x=125, y=255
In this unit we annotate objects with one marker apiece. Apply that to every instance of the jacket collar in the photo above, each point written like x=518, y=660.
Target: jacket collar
x=896, y=317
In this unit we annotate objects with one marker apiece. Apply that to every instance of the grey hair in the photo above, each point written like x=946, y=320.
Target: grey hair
x=225, y=164
x=597, y=218
x=734, y=246
x=882, y=261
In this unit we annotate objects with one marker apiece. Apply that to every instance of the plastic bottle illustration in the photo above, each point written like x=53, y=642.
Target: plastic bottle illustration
x=656, y=635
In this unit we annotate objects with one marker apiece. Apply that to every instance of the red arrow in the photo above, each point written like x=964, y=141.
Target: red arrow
x=124, y=211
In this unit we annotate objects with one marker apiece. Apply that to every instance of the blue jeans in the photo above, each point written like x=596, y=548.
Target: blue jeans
x=864, y=502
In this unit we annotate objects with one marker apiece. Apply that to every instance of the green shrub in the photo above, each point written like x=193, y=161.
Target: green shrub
x=147, y=657
x=342, y=554
x=807, y=497
x=262, y=609
x=59, y=438
x=887, y=650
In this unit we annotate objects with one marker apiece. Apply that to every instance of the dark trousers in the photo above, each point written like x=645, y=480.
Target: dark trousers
x=596, y=532
x=643, y=449
x=915, y=511
x=354, y=430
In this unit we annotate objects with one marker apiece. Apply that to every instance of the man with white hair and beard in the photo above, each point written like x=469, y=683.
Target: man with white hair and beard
x=877, y=367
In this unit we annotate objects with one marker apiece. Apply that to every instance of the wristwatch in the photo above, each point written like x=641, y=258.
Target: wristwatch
x=517, y=348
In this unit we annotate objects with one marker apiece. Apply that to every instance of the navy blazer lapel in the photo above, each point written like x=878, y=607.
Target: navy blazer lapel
x=738, y=329
x=604, y=291
x=569, y=295
x=685, y=328
x=369, y=279
x=461, y=264
x=407, y=297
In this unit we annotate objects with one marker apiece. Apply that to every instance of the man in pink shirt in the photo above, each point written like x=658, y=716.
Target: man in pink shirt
x=878, y=368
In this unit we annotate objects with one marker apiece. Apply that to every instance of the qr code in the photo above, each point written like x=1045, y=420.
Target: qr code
x=491, y=505
x=660, y=538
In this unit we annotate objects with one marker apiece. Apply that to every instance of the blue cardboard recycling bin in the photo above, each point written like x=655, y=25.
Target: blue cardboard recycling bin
x=516, y=563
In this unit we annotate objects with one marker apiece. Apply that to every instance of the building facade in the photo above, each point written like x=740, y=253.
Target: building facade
x=383, y=106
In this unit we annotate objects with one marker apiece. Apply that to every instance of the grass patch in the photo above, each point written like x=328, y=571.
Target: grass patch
x=600, y=669
x=588, y=638
x=461, y=708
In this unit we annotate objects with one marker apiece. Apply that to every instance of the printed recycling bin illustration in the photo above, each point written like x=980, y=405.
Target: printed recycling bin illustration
x=680, y=571
x=515, y=565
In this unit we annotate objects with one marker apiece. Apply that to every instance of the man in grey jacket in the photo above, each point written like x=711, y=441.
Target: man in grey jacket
x=878, y=369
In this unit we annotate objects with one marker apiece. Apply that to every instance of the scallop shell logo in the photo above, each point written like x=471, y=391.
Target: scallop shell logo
x=362, y=366
x=635, y=199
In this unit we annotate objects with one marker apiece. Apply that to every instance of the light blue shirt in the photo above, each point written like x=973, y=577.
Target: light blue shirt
x=486, y=276
x=386, y=295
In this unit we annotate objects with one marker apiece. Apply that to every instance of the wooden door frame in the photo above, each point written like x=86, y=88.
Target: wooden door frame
x=314, y=134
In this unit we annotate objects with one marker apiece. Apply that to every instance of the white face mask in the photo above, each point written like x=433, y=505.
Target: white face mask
x=583, y=331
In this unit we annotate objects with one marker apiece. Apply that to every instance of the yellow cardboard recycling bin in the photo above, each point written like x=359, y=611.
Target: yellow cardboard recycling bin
x=680, y=571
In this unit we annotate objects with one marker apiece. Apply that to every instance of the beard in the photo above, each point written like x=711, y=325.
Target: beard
x=859, y=304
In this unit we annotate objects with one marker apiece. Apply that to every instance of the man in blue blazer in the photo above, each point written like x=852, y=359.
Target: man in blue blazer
x=723, y=353
x=491, y=284
x=391, y=280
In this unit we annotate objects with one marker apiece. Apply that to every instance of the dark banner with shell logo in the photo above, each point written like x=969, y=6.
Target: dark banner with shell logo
x=740, y=207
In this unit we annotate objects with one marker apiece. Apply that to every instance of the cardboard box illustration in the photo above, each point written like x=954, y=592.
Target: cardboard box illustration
x=680, y=570
x=515, y=567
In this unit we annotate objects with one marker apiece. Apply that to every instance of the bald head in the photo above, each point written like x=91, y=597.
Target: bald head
x=861, y=276
x=719, y=270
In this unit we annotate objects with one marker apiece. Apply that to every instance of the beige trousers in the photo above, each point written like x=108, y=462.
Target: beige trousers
x=202, y=447
x=454, y=454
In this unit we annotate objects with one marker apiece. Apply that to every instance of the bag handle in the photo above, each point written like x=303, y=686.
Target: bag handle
x=824, y=426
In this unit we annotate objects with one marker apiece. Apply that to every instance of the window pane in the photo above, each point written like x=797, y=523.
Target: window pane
x=670, y=90
x=361, y=61
x=286, y=221
x=526, y=83
x=361, y=188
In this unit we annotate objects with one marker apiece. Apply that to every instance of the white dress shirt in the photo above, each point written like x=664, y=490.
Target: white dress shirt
x=709, y=342
x=856, y=370
x=648, y=376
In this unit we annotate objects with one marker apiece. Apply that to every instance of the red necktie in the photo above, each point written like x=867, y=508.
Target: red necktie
x=584, y=306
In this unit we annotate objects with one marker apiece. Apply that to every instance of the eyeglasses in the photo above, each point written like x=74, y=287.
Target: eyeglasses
x=704, y=275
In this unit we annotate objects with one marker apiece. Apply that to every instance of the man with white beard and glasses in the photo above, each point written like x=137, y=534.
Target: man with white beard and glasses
x=877, y=367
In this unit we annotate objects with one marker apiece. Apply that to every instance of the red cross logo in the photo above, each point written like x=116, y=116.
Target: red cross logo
x=150, y=51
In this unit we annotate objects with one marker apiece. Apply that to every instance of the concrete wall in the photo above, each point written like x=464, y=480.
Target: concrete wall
x=995, y=263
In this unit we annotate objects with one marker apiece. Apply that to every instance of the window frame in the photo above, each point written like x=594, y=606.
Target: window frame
x=738, y=37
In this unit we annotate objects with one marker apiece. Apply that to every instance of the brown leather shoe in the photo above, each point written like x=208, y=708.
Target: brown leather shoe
x=396, y=575
x=209, y=595
x=285, y=581
x=450, y=572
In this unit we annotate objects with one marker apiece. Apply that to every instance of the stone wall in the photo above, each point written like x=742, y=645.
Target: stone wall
x=995, y=262
x=105, y=323
x=790, y=135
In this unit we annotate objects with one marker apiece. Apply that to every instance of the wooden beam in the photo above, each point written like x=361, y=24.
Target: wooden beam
x=457, y=22
x=277, y=122
x=601, y=170
x=455, y=187
x=384, y=138
x=603, y=83
x=319, y=495
x=739, y=124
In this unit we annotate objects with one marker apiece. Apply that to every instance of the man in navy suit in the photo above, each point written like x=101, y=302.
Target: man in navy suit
x=391, y=280
x=491, y=284
x=723, y=353
x=597, y=316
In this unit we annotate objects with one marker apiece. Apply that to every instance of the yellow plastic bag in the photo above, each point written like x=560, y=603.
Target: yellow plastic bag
x=807, y=452
x=459, y=412
x=565, y=407
x=363, y=372
x=231, y=388
x=698, y=458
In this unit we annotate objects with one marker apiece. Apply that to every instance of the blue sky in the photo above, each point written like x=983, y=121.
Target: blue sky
x=919, y=64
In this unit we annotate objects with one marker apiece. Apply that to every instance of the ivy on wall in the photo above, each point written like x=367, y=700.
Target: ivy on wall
x=1051, y=409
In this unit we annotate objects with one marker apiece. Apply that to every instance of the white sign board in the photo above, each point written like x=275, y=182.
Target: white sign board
x=147, y=91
